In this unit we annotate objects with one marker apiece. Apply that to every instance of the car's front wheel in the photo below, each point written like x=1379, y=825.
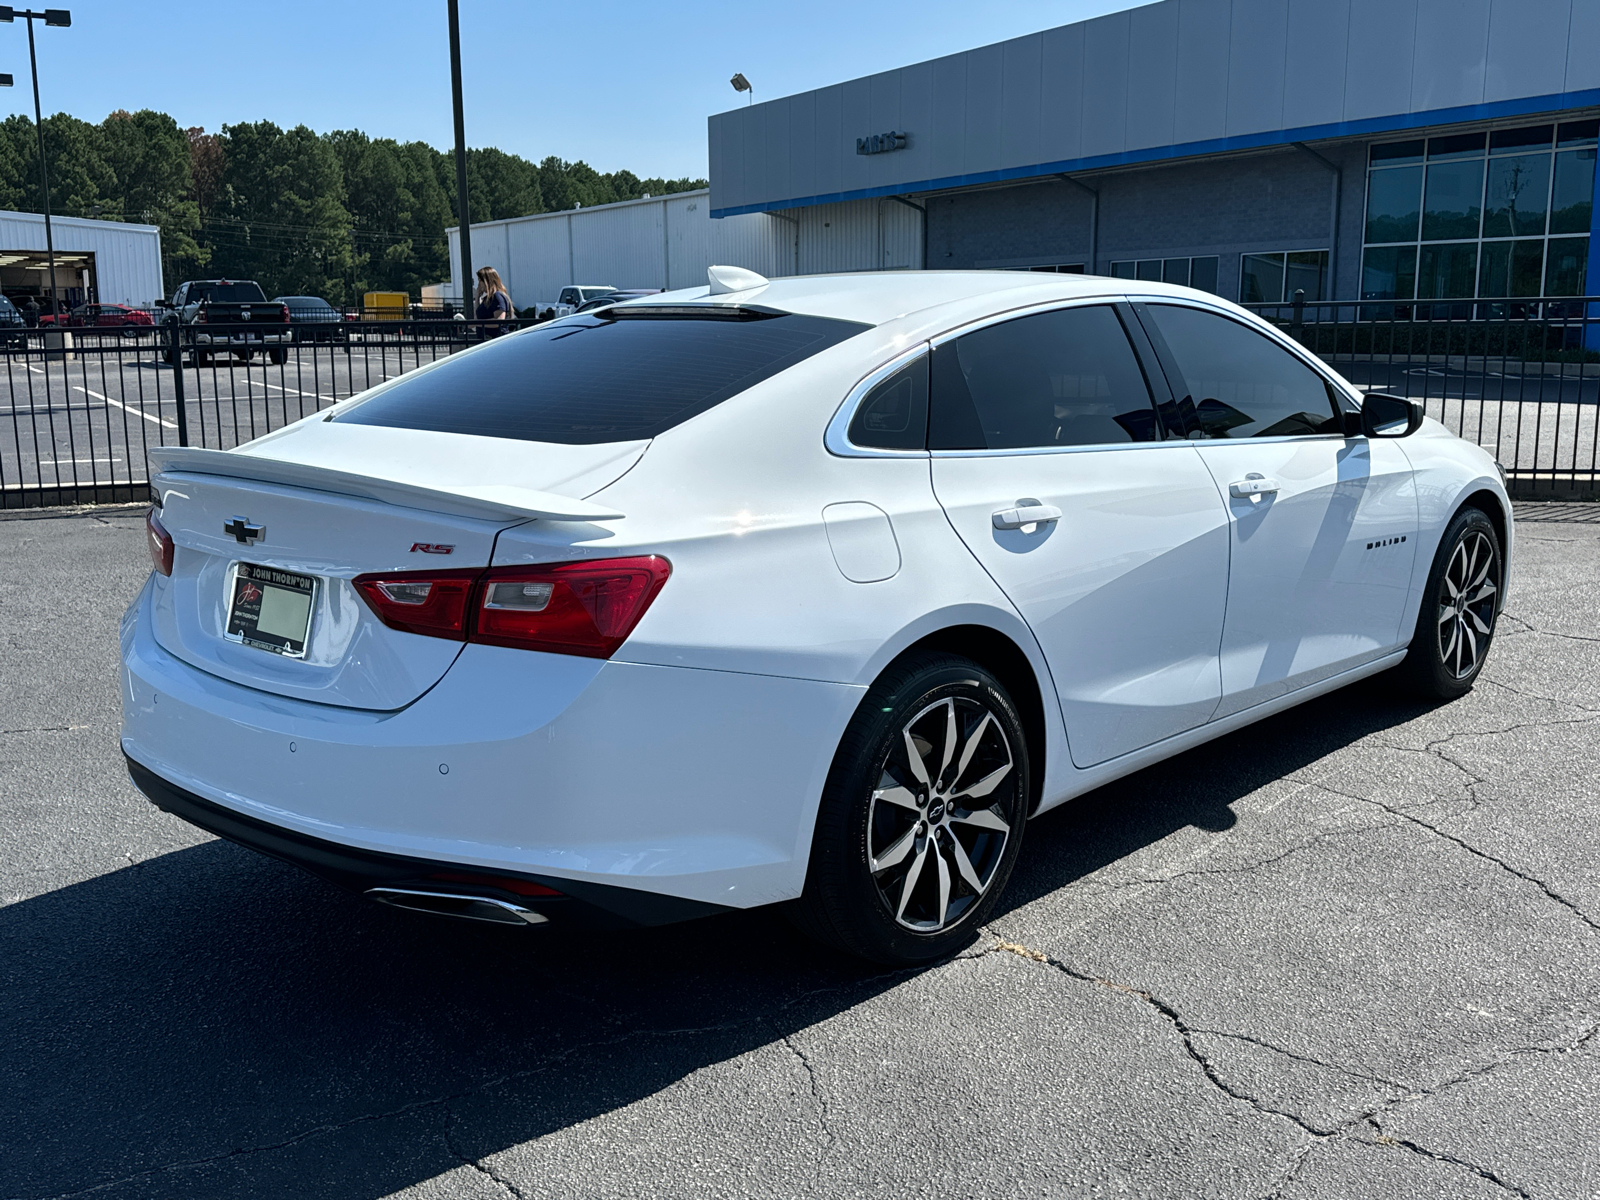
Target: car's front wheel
x=922, y=816
x=1459, y=606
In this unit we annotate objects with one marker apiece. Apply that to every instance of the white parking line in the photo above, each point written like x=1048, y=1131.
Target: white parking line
x=67, y=462
x=153, y=420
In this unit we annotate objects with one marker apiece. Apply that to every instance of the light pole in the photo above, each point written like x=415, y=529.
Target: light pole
x=60, y=18
x=463, y=217
x=741, y=84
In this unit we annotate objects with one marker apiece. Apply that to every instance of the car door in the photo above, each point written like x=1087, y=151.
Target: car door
x=1322, y=525
x=1112, y=542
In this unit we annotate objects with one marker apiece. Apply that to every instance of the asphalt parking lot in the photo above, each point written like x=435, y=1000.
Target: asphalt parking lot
x=1351, y=951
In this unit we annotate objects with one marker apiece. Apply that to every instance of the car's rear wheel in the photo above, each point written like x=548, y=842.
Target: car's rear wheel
x=921, y=819
x=1459, y=605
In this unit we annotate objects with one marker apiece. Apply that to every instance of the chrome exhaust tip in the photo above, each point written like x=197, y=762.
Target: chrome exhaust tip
x=452, y=904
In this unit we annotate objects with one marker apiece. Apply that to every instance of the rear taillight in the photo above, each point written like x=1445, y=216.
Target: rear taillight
x=432, y=603
x=286, y=312
x=586, y=608
x=159, y=542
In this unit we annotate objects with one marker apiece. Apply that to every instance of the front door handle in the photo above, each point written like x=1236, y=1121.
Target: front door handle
x=1026, y=512
x=1253, y=485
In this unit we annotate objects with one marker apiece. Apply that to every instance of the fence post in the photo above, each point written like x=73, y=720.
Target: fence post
x=177, y=383
x=1297, y=325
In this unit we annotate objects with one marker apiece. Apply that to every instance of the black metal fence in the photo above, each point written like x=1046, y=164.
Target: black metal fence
x=1520, y=377
x=76, y=422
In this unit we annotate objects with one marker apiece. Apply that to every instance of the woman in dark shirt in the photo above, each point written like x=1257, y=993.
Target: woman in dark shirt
x=493, y=301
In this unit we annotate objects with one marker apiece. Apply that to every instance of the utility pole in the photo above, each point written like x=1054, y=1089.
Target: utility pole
x=62, y=18
x=463, y=215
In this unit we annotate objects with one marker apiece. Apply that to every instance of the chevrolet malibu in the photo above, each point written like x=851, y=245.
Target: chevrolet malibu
x=807, y=592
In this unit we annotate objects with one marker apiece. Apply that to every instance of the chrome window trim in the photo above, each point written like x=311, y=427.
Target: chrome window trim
x=1273, y=334
x=836, y=438
x=1027, y=310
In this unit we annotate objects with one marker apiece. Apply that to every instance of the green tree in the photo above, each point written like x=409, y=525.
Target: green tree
x=153, y=180
x=281, y=218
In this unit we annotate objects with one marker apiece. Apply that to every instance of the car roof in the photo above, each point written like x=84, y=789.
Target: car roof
x=876, y=297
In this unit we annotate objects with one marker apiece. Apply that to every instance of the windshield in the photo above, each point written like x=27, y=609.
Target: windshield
x=226, y=293
x=601, y=379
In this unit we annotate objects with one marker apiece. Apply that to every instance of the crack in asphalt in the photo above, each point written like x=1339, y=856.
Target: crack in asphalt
x=1247, y=868
x=1484, y=1173
x=1570, y=905
x=1535, y=696
x=1315, y=1136
x=1305, y=1058
x=467, y=1160
x=824, y=1112
x=1175, y=1019
x=437, y=1101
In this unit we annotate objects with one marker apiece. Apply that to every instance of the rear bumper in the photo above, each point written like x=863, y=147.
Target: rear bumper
x=581, y=904
x=684, y=783
x=245, y=340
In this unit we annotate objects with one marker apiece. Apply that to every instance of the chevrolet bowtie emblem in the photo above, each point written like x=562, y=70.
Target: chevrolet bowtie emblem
x=243, y=532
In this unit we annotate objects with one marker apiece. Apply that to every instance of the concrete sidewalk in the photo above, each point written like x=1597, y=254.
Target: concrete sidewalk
x=1352, y=951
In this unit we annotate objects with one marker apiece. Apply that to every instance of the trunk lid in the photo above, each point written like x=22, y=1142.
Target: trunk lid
x=336, y=501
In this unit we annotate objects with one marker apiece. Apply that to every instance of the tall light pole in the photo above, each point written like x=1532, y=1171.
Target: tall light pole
x=60, y=18
x=463, y=216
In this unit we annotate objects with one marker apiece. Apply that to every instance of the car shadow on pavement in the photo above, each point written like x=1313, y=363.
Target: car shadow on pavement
x=213, y=1023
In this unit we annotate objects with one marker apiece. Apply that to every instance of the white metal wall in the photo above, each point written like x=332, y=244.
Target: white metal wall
x=663, y=242
x=127, y=258
x=1167, y=75
x=858, y=235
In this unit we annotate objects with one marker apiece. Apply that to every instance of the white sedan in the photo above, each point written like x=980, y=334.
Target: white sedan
x=806, y=591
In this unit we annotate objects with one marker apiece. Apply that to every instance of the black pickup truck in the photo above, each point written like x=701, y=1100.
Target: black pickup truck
x=228, y=317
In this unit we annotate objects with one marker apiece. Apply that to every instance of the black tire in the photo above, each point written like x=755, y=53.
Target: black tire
x=876, y=812
x=1455, y=624
x=278, y=356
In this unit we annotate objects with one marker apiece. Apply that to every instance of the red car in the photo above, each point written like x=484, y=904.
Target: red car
x=103, y=316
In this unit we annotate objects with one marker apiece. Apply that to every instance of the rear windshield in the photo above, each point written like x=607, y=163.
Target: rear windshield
x=225, y=293
x=601, y=377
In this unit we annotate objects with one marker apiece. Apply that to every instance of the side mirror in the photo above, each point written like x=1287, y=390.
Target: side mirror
x=1389, y=416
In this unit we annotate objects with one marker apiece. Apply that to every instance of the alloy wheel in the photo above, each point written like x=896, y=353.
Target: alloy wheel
x=1468, y=594
x=938, y=824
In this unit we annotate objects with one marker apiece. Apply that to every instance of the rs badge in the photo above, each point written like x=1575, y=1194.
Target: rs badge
x=431, y=548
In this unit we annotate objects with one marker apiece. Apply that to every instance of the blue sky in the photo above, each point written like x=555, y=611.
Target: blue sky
x=618, y=83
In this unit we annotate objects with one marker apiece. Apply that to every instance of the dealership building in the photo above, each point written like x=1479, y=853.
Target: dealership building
x=1349, y=149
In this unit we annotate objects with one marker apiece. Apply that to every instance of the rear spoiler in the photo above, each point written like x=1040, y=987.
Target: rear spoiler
x=491, y=501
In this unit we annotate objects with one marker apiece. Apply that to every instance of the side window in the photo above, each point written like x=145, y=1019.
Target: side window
x=568, y=296
x=894, y=414
x=1238, y=381
x=1062, y=378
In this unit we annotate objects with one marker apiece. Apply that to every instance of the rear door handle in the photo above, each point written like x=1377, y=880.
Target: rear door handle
x=1253, y=485
x=1026, y=513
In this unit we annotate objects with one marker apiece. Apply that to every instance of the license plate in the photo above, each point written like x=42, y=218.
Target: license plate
x=271, y=609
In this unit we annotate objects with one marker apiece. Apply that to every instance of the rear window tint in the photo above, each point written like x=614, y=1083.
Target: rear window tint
x=226, y=293
x=600, y=378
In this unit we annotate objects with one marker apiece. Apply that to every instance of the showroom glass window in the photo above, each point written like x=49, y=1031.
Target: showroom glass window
x=1274, y=278
x=1239, y=383
x=1499, y=213
x=1062, y=378
x=1199, y=273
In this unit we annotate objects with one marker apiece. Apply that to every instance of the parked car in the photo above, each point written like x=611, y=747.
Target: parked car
x=808, y=591
x=571, y=299
x=313, y=319
x=13, y=327
x=124, y=318
x=229, y=317
x=618, y=297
